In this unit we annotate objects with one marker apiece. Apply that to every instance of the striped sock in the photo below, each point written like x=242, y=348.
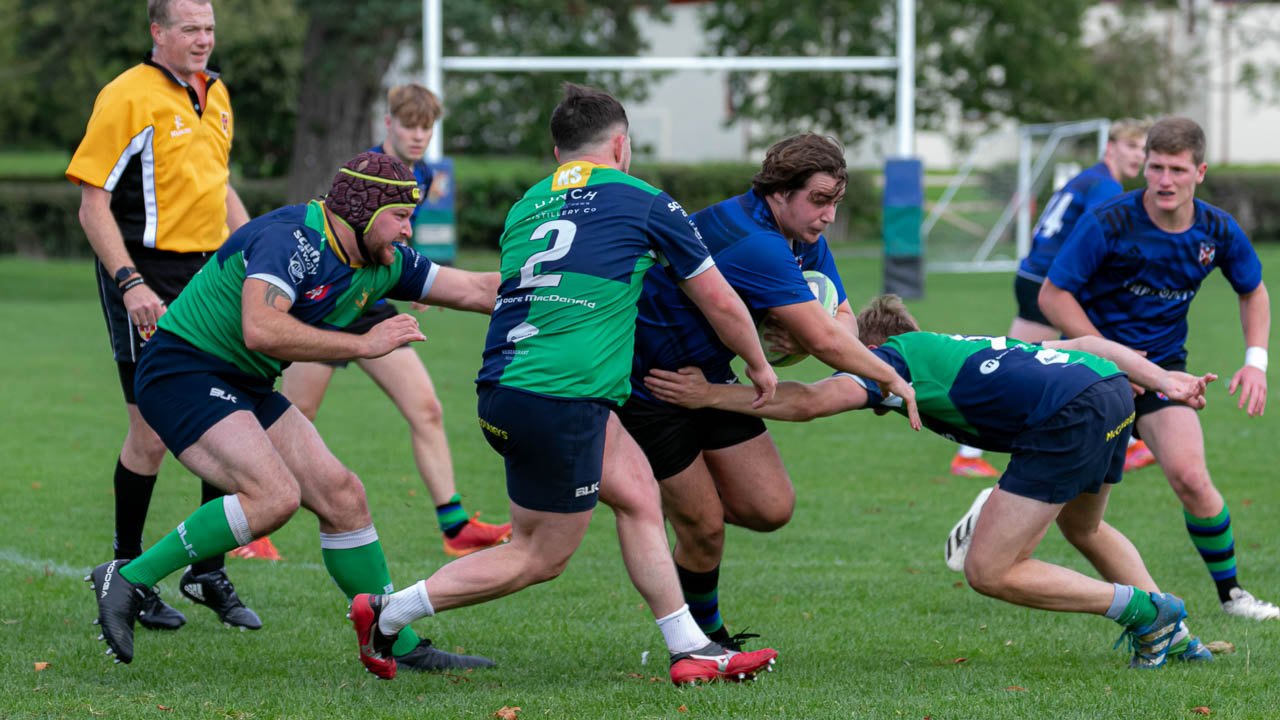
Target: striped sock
x=703, y=597
x=1212, y=537
x=451, y=516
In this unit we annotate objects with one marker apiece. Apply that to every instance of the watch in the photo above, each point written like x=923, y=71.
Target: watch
x=124, y=273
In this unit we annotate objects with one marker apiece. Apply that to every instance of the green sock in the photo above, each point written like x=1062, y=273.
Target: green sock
x=202, y=535
x=357, y=564
x=1140, y=612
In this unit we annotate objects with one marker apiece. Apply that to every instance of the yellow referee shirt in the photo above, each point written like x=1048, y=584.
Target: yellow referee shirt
x=162, y=158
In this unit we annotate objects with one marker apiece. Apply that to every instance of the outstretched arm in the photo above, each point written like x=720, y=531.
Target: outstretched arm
x=793, y=401
x=1251, y=380
x=463, y=290
x=1180, y=386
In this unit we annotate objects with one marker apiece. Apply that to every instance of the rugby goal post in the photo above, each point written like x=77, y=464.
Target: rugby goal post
x=904, y=174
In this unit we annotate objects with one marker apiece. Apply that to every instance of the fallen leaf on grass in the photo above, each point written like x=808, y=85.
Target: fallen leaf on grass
x=1247, y=502
x=911, y=571
x=682, y=708
x=41, y=665
x=507, y=713
x=1016, y=688
x=957, y=661
x=957, y=584
x=1220, y=647
x=162, y=707
x=1202, y=710
x=35, y=486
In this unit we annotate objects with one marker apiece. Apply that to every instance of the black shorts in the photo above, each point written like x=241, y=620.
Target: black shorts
x=1027, y=292
x=182, y=392
x=1151, y=401
x=553, y=448
x=166, y=273
x=672, y=436
x=376, y=313
x=1077, y=449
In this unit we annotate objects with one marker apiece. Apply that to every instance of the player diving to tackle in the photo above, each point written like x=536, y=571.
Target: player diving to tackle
x=1064, y=410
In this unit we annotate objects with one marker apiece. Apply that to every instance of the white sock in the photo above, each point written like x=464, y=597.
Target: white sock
x=404, y=607
x=969, y=452
x=681, y=632
x=1133, y=441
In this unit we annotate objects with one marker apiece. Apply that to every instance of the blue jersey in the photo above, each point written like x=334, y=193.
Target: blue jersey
x=1136, y=281
x=1082, y=192
x=294, y=249
x=755, y=258
x=422, y=172
x=574, y=253
x=984, y=391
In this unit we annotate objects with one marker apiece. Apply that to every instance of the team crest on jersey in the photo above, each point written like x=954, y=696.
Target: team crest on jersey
x=146, y=331
x=226, y=122
x=318, y=293
x=1207, y=251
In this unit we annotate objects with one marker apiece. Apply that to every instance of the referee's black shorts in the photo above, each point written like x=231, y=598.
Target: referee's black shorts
x=166, y=273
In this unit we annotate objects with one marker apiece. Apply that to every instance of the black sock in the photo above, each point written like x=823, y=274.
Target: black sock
x=133, y=497
x=701, y=593
x=209, y=493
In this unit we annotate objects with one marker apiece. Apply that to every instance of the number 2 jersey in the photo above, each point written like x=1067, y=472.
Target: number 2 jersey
x=294, y=249
x=1092, y=186
x=574, y=251
x=983, y=391
x=1136, y=281
x=763, y=266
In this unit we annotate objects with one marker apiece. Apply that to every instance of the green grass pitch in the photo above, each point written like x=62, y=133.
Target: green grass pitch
x=853, y=593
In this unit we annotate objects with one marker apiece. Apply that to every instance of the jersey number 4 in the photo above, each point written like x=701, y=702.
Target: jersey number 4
x=1051, y=221
x=564, y=230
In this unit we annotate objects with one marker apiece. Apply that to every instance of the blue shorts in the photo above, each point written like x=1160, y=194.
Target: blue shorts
x=553, y=448
x=1077, y=449
x=183, y=391
x=1027, y=292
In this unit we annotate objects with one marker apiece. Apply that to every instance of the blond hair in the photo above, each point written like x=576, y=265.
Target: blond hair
x=882, y=318
x=1128, y=129
x=413, y=105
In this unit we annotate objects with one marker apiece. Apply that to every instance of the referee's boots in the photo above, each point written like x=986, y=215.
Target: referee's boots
x=215, y=591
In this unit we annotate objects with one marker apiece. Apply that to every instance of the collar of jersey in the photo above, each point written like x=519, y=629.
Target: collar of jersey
x=318, y=220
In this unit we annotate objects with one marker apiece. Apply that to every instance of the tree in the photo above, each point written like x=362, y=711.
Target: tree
x=987, y=59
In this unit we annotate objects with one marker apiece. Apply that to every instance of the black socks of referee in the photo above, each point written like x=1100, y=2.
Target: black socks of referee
x=133, y=497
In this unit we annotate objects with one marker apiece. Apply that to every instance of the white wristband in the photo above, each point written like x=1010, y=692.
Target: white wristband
x=1256, y=357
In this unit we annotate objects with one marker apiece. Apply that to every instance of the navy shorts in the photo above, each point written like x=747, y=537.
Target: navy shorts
x=672, y=436
x=1027, y=292
x=183, y=391
x=378, y=312
x=166, y=273
x=1077, y=449
x=553, y=448
x=1151, y=401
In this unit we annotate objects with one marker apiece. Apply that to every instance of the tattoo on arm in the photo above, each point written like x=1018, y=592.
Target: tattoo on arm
x=272, y=294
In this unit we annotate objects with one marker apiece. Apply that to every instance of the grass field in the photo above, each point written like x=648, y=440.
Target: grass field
x=853, y=593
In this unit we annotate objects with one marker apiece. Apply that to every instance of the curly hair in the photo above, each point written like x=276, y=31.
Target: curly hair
x=790, y=162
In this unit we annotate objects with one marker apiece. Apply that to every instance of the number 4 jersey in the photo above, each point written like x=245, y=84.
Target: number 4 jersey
x=574, y=253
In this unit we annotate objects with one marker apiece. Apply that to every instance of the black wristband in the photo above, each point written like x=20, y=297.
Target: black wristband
x=132, y=284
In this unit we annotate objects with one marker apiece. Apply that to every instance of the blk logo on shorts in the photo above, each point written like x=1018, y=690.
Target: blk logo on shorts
x=585, y=490
x=220, y=393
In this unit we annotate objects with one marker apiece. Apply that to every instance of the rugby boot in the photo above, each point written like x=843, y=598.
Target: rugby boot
x=429, y=658
x=713, y=662
x=1244, y=604
x=156, y=614
x=1151, y=643
x=972, y=467
x=215, y=591
x=1138, y=455
x=476, y=535
x=374, y=647
x=119, y=602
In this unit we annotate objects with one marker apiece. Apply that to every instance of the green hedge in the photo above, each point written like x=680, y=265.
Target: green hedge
x=41, y=218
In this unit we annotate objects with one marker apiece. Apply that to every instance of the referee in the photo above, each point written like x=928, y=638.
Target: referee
x=155, y=202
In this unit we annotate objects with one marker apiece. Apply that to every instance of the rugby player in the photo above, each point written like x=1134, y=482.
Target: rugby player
x=279, y=290
x=1064, y=413
x=556, y=360
x=1128, y=273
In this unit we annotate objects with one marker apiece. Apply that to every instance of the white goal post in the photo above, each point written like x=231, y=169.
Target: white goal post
x=436, y=64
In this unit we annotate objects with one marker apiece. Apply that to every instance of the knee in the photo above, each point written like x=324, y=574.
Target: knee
x=541, y=566
x=427, y=413
x=769, y=516
x=282, y=503
x=702, y=536
x=982, y=578
x=1189, y=478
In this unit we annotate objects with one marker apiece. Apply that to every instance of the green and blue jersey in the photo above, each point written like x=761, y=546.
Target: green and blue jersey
x=984, y=391
x=1136, y=281
x=294, y=249
x=574, y=251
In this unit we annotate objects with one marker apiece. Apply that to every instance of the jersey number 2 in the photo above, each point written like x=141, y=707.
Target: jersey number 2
x=564, y=230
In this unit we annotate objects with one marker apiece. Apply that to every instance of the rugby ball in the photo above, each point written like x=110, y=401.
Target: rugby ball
x=828, y=296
